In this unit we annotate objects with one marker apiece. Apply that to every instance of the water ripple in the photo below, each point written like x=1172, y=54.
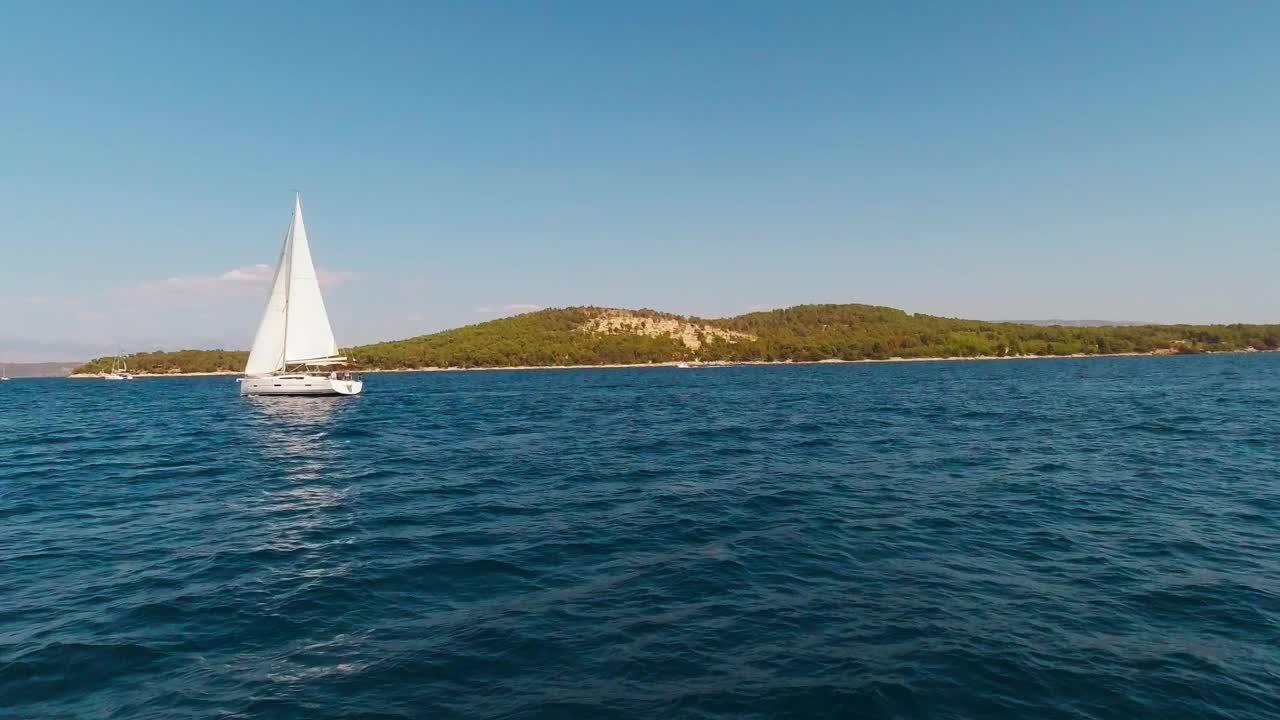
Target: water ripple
x=1052, y=539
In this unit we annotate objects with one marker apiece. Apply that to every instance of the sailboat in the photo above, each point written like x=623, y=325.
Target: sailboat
x=295, y=344
x=4, y=375
x=119, y=369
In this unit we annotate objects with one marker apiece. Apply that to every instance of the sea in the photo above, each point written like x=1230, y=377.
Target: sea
x=1053, y=539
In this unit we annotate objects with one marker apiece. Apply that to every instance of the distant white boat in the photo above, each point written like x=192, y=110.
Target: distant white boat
x=119, y=370
x=4, y=374
x=683, y=365
x=295, y=341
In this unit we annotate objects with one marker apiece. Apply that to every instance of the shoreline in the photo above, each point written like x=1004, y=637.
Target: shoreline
x=831, y=361
x=715, y=363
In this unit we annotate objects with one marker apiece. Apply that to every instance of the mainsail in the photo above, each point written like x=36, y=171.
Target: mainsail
x=295, y=327
x=308, y=335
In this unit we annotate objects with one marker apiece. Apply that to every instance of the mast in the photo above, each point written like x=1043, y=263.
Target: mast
x=288, y=283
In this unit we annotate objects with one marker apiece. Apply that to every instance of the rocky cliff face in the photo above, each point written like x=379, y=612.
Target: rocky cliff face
x=692, y=333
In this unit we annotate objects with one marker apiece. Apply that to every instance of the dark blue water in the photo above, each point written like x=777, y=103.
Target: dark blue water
x=1041, y=539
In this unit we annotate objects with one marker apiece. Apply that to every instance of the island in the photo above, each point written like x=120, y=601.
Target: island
x=600, y=336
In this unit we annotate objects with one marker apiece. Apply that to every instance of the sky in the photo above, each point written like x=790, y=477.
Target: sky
x=462, y=161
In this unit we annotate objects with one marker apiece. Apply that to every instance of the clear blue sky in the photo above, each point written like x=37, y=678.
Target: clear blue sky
x=999, y=160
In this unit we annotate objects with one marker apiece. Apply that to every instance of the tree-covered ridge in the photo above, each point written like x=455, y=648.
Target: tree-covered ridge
x=177, y=361
x=577, y=336
x=856, y=332
x=546, y=337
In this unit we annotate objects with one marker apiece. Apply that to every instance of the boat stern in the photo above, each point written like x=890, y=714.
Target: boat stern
x=347, y=387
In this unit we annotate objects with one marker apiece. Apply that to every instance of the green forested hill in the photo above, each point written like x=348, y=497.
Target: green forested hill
x=177, y=361
x=596, y=336
x=814, y=332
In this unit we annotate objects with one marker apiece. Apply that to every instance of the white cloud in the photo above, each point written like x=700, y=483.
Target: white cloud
x=334, y=278
x=38, y=300
x=249, y=273
x=508, y=309
x=214, y=309
x=247, y=280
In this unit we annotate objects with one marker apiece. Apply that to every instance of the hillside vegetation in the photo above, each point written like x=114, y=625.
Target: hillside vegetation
x=599, y=336
x=178, y=361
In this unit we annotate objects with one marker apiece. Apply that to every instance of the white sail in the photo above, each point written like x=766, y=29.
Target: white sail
x=308, y=334
x=294, y=334
x=267, y=354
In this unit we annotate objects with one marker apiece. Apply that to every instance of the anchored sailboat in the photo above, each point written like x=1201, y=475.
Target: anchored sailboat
x=119, y=369
x=295, y=341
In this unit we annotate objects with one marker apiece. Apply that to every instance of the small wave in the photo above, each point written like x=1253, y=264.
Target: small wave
x=900, y=540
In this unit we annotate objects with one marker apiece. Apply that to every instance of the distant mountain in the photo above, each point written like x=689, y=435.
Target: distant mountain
x=45, y=369
x=604, y=336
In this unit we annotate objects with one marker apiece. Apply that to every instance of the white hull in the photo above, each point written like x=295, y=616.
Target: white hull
x=295, y=384
x=115, y=376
